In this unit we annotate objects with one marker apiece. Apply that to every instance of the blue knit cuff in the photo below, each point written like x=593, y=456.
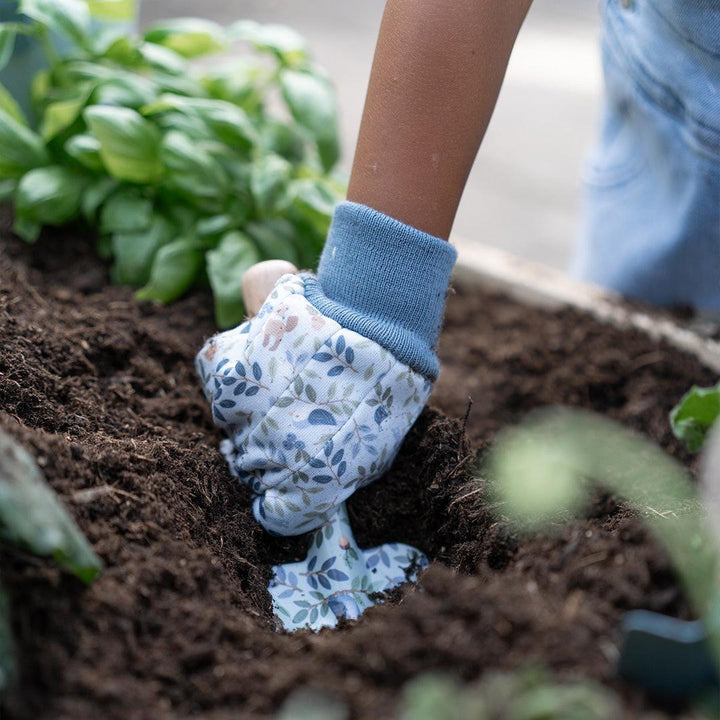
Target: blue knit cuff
x=384, y=280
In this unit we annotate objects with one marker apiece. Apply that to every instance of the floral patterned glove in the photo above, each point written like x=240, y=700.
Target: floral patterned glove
x=313, y=411
x=317, y=392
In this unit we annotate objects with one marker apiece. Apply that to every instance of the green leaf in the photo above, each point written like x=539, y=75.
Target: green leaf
x=162, y=58
x=224, y=121
x=7, y=189
x=275, y=238
x=49, y=195
x=85, y=148
x=117, y=10
x=9, y=105
x=67, y=17
x=28, y=230
x=312, y=103
x=285, y=43
x=174, y=269
x=60, y=115
x=129, y=144
x=32, y=518
x=126, y=211
x=188, y=37
x=194, y=170
x=130, y=91
x=313, y=202
x=20, y=148
x=7, y=45
x=95, y=195
x=225, y=266
x=269, y=178
x=134, y=252
x=695, y=414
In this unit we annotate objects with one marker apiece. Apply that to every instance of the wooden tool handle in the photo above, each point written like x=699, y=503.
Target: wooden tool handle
x=259, y=280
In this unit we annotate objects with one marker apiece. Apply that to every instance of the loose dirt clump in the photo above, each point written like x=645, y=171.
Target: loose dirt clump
x=101, y=389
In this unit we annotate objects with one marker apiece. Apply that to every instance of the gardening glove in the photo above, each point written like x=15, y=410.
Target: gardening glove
x=316, y=394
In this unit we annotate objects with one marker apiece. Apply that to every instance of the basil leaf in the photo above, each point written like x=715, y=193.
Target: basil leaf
x=174, y=269
x=188, y=37
x=61, y=114
x=275, y=238
x=95, y=196
x=313, y=202
x=20, y=148
x=117, y=10
x=7, y=45
x=9, y=105
x=162, y=58
x=130, y=91
x=224, y=121
x=49, y=195
x=28, y=230
x=7, y=189
x=68, y=17
x=285, y=43
x=225, y=267
x=311, y=101
x=126, y=211
x=85, y=149
x=194, y=170
x=134, y=251
x=129, y=144
x=269, y=178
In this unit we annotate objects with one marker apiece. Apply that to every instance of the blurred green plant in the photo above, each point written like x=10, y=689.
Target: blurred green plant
x=692, y=418
x=188, y=174
x=539, y=471
x=527, y=694
x=33, y=520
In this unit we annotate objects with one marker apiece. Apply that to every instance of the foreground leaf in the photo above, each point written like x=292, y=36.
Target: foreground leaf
x=32, y=518
x=174, y=269
x=225, y=266
x=129, y=144
x=695, y=414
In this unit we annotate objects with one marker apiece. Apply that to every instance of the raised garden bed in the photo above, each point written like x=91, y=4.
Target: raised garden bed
x=102, y=391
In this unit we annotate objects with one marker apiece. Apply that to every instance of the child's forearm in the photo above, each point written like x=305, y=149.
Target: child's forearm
x=436, y=76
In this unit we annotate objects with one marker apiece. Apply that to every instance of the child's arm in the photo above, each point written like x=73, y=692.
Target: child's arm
x=436, y=76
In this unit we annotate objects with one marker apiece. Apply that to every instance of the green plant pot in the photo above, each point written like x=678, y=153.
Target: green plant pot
x=28, y=59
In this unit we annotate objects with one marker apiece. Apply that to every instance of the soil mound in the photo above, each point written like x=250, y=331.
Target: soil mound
x=101, y=389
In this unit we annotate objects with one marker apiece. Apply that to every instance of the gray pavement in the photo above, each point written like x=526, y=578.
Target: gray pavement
x=522, y=195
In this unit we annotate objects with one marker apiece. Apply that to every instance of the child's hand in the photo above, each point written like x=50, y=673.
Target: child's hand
x=312, y=410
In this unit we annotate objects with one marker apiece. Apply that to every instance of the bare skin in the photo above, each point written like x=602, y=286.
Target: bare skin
x=435, y=79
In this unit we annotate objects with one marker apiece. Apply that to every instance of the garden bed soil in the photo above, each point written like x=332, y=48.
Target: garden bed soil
x=101, y=389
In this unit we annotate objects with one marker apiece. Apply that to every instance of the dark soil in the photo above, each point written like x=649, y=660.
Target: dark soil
x=102, y=391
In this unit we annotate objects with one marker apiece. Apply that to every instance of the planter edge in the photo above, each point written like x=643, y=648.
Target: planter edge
x=538, y=285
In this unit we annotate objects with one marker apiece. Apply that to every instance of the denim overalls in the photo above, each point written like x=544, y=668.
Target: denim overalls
x=651, y=217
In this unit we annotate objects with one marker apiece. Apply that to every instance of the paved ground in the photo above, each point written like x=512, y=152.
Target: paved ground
x=522, y=194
